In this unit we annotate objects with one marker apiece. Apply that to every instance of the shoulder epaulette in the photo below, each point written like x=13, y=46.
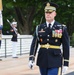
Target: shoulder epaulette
x=64, y=25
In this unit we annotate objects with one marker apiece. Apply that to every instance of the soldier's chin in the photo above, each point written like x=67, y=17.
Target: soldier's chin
x=48, y=19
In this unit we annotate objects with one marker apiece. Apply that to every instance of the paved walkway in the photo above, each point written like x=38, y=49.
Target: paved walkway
x=19, y=66
x=71, y=66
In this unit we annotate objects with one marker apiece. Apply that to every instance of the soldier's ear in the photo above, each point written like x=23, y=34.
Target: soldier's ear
x=55, y=13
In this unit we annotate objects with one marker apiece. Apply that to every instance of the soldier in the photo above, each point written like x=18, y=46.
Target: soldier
x=14, y=39
x=1, y=23
x=50, y=35
x=0, y=37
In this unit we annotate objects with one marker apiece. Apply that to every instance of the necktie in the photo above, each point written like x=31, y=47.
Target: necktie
x=49, y=25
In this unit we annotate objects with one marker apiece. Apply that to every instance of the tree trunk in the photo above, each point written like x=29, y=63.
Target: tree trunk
x=24, y=23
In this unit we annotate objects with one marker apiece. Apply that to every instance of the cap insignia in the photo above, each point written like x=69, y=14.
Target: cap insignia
x=48, y=4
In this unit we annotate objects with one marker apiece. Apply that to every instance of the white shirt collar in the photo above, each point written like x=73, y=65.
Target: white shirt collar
x=50, y=23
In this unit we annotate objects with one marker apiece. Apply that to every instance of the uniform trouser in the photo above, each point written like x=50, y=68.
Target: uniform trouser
x=50, y=71
x=14, y=49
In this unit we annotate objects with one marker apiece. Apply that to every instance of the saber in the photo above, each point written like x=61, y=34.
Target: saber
x=9, y=22
x=15, y=30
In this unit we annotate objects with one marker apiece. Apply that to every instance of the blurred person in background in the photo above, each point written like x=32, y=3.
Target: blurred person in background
x=14, y=38
x=0, y=37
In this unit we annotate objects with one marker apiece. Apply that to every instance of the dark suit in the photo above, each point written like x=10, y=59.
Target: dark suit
x=51, y=57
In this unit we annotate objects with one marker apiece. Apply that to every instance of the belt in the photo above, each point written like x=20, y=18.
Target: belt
x=49, y=46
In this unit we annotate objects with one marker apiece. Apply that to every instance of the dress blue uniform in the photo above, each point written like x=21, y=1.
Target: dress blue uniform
x=50, y=57
x=14, y=37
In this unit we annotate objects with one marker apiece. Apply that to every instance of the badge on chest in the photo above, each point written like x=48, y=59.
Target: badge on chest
x=57, y=33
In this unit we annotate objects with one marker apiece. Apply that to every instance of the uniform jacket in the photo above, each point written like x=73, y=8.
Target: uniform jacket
x=14, y=36
x=50, y=57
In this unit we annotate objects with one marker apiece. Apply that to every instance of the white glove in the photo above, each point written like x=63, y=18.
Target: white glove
x=64, y=69
x=31, y=64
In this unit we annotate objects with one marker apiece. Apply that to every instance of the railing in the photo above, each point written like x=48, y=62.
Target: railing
x=23, y=45
x=72, y=41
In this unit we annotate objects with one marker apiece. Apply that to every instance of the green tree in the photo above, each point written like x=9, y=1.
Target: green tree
x=25, y=12
x=29, y=13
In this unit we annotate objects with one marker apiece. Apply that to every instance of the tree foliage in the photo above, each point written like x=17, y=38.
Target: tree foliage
x=30, y=13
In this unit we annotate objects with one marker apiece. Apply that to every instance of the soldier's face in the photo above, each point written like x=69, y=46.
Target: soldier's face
x=14, y=25
x=50, y=16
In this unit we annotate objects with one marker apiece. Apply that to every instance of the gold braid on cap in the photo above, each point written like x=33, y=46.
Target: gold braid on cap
x=50, y=8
